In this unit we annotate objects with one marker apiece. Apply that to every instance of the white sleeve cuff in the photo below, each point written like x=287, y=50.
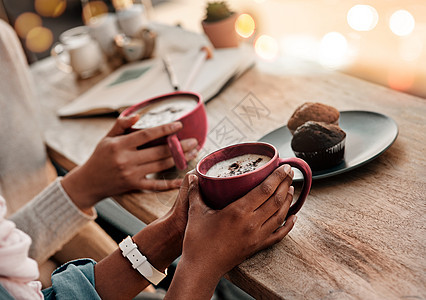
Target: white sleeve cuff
x=51, y=219
x=92, y=216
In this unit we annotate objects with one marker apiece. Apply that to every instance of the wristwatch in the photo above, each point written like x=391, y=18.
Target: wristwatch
x=140, y=262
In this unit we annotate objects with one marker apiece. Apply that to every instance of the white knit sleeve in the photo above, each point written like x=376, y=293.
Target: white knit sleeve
x=51, y=219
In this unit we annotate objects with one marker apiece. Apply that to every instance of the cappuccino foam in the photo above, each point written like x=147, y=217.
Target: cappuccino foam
x=238, y=165
x=163, y=112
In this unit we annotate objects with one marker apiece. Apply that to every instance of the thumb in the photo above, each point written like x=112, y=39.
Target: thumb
x=182, y=196
x=195, y=200
x=122, y=124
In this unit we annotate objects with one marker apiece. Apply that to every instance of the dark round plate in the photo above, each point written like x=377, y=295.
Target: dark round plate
x=368, y=135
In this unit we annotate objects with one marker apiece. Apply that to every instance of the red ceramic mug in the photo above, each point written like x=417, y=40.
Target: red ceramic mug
x=194, y=125
x=218, y=192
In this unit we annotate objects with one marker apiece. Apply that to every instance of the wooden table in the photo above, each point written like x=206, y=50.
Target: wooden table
x=360, y=235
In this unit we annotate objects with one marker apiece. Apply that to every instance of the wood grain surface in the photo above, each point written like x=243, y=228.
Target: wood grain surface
x=360, y=235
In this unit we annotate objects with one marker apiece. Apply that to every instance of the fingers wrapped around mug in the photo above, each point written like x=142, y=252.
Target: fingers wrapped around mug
x=162, y=152
x=141, y=137
x=218, y=240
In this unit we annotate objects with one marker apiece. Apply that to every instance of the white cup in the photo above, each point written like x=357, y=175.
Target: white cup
x=104, y=29
x=131, y=20
x=78, y=52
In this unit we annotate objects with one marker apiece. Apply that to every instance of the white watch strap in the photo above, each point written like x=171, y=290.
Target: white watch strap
x=139, y=262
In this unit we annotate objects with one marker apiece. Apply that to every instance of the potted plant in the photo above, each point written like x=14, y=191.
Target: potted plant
x=219, y=25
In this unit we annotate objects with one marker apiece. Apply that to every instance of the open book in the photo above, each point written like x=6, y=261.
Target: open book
x=133, y=83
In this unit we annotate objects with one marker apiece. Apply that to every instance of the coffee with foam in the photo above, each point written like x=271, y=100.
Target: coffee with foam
x=238, y=165
x=163, y=112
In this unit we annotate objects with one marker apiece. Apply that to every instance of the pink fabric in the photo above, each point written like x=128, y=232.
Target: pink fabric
x=18, y=272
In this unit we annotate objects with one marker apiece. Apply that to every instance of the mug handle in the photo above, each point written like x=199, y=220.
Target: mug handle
x=58, y=52
x=177, y=152
x=307, y=182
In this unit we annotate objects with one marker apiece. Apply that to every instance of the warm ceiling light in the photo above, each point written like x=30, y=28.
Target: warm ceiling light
x=333, y=50
x=362, y=17
x=245, y=25
x=266, y=47
x=400, y=79
x=122, y=4
x=39, y=39
x=93, y=9
x=50, y=8
x=26, y=22
x=402, y=23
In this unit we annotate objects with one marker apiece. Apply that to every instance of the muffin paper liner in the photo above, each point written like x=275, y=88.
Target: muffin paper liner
x=325, y=158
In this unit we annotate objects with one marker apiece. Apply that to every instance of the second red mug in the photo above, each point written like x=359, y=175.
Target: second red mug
x=218, y=192
x=194, y=125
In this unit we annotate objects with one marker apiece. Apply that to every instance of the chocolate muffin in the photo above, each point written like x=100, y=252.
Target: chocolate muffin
x=310, y=111
x=320, y=144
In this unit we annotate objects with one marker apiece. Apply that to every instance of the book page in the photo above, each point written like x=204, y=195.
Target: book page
x=133, y=83
x=108, y=95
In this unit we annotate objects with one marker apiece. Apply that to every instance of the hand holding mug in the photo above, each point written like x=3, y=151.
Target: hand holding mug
x=117, y=166
x=215, y=241
x=185, y=107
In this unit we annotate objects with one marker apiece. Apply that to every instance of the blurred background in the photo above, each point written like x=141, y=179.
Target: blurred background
x=382, y=41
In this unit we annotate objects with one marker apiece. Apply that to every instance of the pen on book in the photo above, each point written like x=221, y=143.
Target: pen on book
x=205, y=53
x=171, y=73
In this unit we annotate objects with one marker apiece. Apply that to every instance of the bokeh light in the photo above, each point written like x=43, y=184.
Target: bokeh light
x=245, y=25
x=93, y=9
x=402, y=23
x=362, y=17
x=411, y=48
x=400, y=80
x=333, y=50
x=39, y=39
x=266, y=47
x=50, y=8
x=26, y=22
x=122, y=4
